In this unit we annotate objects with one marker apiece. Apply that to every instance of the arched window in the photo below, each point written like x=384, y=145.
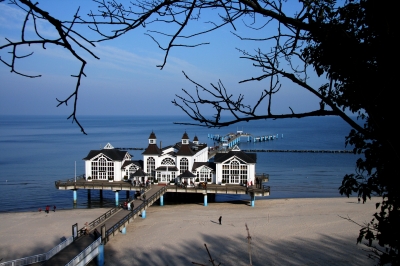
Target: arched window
x=131, y=169
x=234, y=172
x=183, y=165
x=151, y=166
x=102, y=168
x=204, y=174
x=168, y=161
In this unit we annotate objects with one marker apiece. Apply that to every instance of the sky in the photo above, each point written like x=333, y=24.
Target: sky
x=125, y=80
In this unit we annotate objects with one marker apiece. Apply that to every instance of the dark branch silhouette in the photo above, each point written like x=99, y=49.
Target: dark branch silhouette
x=348, y=45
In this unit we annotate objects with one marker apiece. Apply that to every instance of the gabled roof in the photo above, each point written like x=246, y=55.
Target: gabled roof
x=113, y=154
x=138, y=163
x=108, y=146
x=246, y=157
x=199, y=164
x=166, y=147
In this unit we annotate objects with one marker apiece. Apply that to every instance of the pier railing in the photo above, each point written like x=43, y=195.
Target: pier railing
x=98, y=220
x=40, y=257
x=266, y=188
x=263, y=177
x=134, y=212
x=86, y=255
x=70, y=184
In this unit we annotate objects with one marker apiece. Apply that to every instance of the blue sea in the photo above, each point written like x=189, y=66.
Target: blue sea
x=38, y=150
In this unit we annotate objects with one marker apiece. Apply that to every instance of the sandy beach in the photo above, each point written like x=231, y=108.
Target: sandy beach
x=283, y=232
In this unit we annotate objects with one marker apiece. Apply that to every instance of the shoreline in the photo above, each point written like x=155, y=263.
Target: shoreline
x=241, y=201
x=291, y=231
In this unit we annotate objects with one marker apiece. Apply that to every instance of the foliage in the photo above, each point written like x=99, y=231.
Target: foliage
x=349, y=44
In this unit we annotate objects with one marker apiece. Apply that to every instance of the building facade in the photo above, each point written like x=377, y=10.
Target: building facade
x=184, y=162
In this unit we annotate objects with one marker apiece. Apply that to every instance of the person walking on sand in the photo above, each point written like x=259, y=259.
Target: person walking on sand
x=132, y=206
x=54, y=208
x=220, y=220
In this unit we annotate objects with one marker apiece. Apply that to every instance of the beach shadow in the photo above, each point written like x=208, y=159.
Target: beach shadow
x=214, y=222
x=326, y=250
x=239, y=202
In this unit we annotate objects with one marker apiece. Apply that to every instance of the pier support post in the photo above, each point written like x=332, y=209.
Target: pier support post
x=252, y=199
x=144, y=214
x=101, y=194
x=162, y=200
x=127, y=194
x=205, y=200
x=89, y=194
x=123, y=231
x=75, y=196
x=100, y=256
x=116, y=198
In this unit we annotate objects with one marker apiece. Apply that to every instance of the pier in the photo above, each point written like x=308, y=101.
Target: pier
x=87, y=242
x=118, y=186
x=302, y=151
x=231, y=139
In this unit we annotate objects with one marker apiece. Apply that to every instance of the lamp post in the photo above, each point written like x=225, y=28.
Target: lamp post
x=75, y=171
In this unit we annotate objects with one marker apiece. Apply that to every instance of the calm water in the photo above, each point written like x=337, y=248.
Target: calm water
x=38, y=150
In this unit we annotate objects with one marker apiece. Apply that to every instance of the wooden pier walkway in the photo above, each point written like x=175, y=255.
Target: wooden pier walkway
x=127, y=186
x=114, y=221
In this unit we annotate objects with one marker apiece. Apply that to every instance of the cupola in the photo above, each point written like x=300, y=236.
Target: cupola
x=185, y=139
x=152, y=138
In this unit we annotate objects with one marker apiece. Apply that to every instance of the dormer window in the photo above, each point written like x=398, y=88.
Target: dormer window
x=185, y=141
x=152, y=141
